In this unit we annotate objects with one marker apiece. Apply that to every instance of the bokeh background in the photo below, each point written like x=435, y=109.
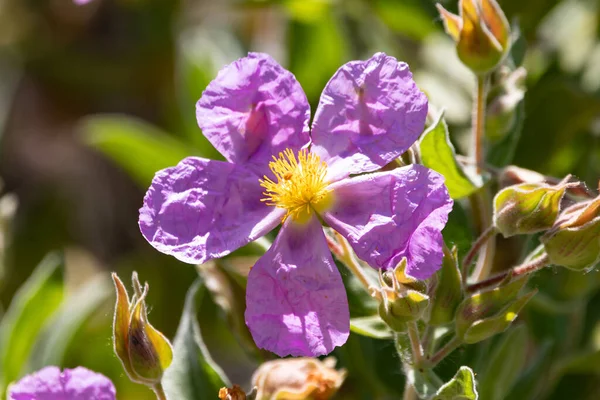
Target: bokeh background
x=95, y=98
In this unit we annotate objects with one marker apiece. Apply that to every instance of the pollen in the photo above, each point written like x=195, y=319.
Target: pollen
x=300, y=187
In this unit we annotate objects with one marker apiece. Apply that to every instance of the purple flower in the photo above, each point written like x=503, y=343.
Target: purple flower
x=256, y=114
x=50, y=383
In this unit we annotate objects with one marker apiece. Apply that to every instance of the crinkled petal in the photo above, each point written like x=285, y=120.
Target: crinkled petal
x=390, y=215
x=253, y=110
x=71, y=384
x=203, y=209
x=369, y=113
x=296, y=303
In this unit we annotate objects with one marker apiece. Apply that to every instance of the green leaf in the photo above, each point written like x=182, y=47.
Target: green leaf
x=193, y=374
x=504, y=365
x=438, y=154
x=137, y=146
x=371, y=326
x=34, y=303
x=75, y=310
x=460, y=387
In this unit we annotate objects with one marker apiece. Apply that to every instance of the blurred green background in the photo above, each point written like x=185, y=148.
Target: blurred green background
x=94, y=99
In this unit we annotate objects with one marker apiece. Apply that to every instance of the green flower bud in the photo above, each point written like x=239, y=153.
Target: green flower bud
x=574, y=240
x=446, y=291
x=401, y=297
x=144, y=352
x=527, y=208
x=490, y=312
x=481, y=33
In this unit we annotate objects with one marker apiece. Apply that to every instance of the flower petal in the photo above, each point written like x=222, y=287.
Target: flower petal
x=253, y=110
x=390, y=215
x=71, y=384
x=296, y=303
x=203, y=209
x=370, y=112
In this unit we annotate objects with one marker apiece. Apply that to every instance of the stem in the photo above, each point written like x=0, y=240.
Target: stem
x=415, y=343
x=428, y=339
x=349, y=260
x=159, y=392
x=489, y=233
x=442, y=353
x=482, y=198
x=478, y=122
x=409, y=392
x=523, y=269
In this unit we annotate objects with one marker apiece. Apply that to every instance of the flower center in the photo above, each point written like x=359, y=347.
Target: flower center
x=301, y=186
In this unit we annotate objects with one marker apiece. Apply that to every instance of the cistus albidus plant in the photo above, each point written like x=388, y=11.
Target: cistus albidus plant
x=371, y=181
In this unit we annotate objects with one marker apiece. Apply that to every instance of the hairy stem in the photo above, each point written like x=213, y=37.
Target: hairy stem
x=477, y=246
x=483, y=198
x=523, y=269
x=415, y=343
x=442, y=353
x=409, y=392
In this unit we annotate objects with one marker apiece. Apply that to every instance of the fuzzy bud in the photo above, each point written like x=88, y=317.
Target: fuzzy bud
x=527, y=208
x=574, y=240
x=402, y=298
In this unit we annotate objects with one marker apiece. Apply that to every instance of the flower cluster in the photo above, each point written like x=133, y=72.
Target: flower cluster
x=280, y=171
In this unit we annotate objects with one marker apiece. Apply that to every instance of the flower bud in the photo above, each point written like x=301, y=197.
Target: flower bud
x=298, y=378
x=527, y=208
x=490, y=312
x=574, y=240
x=481, y=33
x=446, y=291
x=144, y=352
x=401, y=298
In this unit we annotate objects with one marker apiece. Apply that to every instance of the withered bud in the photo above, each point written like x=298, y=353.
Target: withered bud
x=234, y=393
x=298, y=378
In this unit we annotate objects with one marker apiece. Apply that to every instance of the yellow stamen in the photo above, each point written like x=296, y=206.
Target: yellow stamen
x=301, y=186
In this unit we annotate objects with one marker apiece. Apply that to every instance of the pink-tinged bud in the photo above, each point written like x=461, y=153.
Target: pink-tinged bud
x=481, y=32
x=527, y=208
x=144, y=352
x=574, y=240
x=298, y=378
